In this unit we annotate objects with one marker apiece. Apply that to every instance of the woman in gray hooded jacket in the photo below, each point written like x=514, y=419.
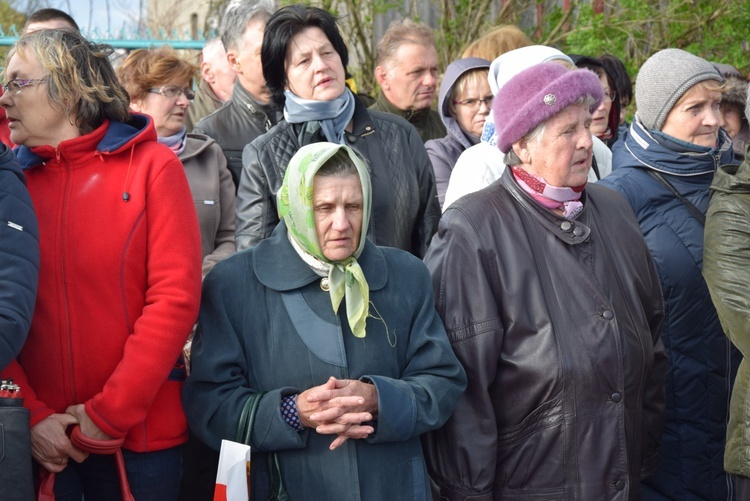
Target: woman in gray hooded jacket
x=464, y=103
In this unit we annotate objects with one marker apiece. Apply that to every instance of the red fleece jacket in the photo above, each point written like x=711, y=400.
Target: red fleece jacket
x=119, y=284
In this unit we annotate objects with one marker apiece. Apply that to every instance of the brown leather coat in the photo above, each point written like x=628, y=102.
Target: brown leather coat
x=557, y=324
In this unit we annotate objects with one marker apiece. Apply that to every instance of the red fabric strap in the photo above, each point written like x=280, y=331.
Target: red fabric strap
x=86, y=444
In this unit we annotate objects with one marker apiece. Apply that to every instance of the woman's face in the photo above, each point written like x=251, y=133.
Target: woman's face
x=169, y=113
x=731, y=115
x=313, y=67
x=338, y=206
x=600, y=117
x=33, y=119
x=562, y=156
x=473, y=105
x=696, y=117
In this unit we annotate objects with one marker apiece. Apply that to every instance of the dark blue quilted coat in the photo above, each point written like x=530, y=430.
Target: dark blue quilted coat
x=702, y=360
x=19, y=258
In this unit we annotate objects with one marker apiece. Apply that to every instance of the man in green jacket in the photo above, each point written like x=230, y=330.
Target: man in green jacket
x=726, y=268
x=407, y=70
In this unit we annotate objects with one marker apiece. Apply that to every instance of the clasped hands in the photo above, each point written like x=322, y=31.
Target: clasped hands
x=50, y=444
x=339, y=407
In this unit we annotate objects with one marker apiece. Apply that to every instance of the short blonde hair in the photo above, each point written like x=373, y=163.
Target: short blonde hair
x=401, y=32
x=497, y=42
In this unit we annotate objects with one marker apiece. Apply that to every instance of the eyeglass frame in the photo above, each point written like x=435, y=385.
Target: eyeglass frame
x=476, y=103
x=188, y=93
x=610, y=96
x=21, y=83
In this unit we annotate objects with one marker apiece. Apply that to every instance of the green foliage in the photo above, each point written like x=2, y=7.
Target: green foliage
x=634, y=29
x=718, y=30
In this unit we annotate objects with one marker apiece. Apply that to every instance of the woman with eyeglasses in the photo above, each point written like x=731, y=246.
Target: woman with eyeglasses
x=464, y=103
x=159, y=83
x=605, y=120
x=120, y=274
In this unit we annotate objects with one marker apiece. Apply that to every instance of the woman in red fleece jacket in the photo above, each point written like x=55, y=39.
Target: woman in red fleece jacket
x=120, y=270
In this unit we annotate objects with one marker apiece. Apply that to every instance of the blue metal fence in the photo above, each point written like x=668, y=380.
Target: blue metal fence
x=134, y=40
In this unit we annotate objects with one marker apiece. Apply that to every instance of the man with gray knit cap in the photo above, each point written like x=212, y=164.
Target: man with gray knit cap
x=552, y=304
x=664, y=170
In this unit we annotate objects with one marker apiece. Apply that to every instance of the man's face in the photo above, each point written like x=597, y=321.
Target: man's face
x=245, y=60
x=409, y=78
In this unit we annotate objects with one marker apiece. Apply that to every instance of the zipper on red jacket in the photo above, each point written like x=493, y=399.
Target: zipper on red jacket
x=63, y=257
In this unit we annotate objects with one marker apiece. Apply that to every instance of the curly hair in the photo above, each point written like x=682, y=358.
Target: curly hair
x=80, y=77
x=147, y=68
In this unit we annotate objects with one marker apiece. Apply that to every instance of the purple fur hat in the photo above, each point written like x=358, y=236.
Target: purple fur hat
x=535, y=95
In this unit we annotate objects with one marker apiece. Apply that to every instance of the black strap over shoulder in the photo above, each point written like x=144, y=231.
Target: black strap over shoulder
x=595, y=167
x=695, y=211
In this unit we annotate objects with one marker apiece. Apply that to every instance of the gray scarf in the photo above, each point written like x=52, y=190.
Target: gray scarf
x=333, y=115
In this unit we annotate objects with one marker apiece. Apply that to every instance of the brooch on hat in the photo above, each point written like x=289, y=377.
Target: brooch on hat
x=549, y=99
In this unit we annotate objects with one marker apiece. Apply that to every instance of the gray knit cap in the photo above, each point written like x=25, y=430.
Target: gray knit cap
x=663, y=79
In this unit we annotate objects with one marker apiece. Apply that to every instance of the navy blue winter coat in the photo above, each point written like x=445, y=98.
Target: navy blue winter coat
x=19, y=257
x=702, y=361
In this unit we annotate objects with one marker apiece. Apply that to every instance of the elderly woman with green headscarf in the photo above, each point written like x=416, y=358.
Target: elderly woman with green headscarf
x=336, y=338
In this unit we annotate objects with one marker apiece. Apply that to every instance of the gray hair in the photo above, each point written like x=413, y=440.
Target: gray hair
x=400, y=32
x=537, y=132
x=238, y=15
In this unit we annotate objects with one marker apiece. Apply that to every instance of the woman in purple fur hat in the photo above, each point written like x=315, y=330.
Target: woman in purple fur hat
x=553, y=305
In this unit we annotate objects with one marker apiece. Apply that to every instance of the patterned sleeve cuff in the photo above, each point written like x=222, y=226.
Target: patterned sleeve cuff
x=290, y=413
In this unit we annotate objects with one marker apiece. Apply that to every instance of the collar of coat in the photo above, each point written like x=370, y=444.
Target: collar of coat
x=411, y=116
x=278, y=266
x=694, y=161
x=571, y=231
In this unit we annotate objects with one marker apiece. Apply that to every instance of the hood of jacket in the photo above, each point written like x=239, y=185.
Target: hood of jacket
x=736, y=93
x=195, y=145
x=108, y=138
x=690, y=160
x=9, y=163
x=732, y=179
x=454, y=71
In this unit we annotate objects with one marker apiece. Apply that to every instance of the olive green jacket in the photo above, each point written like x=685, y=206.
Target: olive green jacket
x=427, y=122
x=726, y=268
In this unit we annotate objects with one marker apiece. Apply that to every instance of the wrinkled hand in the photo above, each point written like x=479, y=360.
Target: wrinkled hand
x=50, y=445
x=339, y=407
x=88, y=428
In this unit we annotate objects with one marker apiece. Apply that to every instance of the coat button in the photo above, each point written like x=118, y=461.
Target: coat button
x=616, y=397
x=578, y=231
x=608, y=315
x=619, y=485
x=566, y=225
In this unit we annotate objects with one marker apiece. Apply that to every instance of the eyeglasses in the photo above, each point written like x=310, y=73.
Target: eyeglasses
x=16, y=85
x=610, y=96
x=473, y=103
x=171, y=91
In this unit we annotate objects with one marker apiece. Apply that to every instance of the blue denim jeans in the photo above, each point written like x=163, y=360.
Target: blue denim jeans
x=153, y=476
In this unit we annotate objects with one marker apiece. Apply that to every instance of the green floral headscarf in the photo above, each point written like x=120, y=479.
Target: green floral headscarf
x=295, y=204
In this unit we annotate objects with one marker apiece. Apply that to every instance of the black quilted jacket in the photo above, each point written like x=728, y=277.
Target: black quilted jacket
x=405, y=209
